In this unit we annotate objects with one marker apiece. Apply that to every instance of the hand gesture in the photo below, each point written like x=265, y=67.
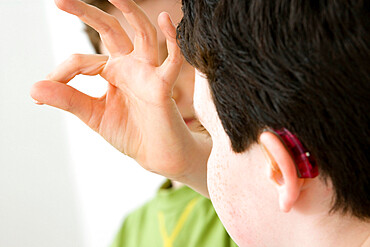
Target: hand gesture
x=137, y=115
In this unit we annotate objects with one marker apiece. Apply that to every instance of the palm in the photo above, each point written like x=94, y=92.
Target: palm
x=123, y=113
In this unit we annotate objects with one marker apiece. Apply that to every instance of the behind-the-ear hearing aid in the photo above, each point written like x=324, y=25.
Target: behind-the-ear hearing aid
x=304, y=161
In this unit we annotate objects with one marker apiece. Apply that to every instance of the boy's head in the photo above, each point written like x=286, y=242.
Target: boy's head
x=184, y=87
x=299, y=65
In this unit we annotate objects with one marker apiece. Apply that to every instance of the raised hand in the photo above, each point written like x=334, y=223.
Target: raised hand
x=137, y=115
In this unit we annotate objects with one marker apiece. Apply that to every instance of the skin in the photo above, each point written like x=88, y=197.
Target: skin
x=259, y=199
x=138, y=114
x=184, y=86
x=183, y=89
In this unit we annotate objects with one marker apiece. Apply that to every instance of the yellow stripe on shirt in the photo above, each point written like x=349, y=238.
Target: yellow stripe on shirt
x=169, y=240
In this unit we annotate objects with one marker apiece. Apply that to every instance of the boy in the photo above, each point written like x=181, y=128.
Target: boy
x=282, y=89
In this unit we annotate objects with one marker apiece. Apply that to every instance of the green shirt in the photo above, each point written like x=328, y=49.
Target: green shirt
x=174, y=217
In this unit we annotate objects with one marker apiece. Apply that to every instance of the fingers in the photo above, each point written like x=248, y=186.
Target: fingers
x=171, y=67
x=66, y=98
x=78, y=64
x=113, y=36
x=55, y=92
x=146, y=44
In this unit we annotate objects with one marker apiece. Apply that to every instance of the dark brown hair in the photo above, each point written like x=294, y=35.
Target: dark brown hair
x=302, y=65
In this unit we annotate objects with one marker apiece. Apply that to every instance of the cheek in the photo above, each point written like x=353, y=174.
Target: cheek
x=231, y=186
x=224, y=191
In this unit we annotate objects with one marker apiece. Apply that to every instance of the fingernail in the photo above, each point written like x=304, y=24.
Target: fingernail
x=36, y=102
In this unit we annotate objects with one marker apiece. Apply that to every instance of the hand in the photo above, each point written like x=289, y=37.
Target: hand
x=137, y=115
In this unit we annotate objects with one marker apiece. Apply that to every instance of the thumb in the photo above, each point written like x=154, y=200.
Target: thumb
x=65, y=97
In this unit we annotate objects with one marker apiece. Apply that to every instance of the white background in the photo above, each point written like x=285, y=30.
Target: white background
x=61, y=184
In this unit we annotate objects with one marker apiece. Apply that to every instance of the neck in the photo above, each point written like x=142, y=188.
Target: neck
x=333, y=230
x=348, y=231
x=309, y=222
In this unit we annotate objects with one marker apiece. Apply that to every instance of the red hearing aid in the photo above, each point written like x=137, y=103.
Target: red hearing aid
x=304, y=161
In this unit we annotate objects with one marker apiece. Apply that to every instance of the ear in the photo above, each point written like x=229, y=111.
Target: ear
x=282, y=170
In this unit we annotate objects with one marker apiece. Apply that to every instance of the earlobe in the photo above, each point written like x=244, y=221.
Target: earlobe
x=282, y=170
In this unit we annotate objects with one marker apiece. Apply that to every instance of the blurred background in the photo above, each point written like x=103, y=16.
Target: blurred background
x=61, y=184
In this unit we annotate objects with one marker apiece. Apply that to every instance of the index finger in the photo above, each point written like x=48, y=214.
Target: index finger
x=112, y=34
